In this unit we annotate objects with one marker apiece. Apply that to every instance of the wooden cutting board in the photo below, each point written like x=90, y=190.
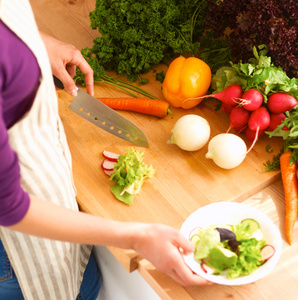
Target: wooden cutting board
x=184, y=180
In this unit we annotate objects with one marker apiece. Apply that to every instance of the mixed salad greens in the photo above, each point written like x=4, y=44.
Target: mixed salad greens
x=231, y=250
x=129, y=174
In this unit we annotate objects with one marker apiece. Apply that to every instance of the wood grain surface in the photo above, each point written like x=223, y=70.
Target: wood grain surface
x=184, y=181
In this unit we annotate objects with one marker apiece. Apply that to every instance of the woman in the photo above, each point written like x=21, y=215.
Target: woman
x=47, y=240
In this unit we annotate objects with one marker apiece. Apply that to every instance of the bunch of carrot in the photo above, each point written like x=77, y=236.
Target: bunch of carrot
x=290, y=184
x=154, y=107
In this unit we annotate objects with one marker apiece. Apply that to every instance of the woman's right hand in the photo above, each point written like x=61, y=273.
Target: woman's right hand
x=64, y=58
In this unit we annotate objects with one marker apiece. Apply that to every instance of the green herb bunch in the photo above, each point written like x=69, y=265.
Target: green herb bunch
x=136, y=35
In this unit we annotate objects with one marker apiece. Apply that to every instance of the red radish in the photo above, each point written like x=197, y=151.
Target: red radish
x=259, y=120
x=110, y=155
x=229, y=94
x=267, y=252
x=239, y=117
x=107, y=164
x=207, y=269
x=227, y=108
x=275, y=120
x=251, y=99
x=251, y=134
x=281, y=102
x=240, y=129
x=108, y=172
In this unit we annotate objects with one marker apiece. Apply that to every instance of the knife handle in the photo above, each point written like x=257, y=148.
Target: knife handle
x=58, y=83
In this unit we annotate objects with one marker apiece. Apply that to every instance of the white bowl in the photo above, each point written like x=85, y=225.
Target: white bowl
x=233, y=213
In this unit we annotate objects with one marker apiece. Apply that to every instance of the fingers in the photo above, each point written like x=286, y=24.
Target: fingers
x=66, y=72
x=79, y=61
x=183, y=274
x=188, y=278
x=64, y=58
x=69, y=84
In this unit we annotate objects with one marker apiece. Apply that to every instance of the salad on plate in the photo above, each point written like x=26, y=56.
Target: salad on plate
x=232, y=250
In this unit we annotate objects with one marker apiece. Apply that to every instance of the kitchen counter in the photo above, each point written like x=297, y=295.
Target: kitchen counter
x=184, y=181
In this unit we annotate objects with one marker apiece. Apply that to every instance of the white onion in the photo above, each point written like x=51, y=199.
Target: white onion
x=191, y=133
x=227, y=150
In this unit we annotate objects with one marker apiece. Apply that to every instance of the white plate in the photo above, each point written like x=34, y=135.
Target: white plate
x=232, y=213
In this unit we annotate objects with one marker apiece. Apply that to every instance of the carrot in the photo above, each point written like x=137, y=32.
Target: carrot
x=290, y=185
x=158, y=108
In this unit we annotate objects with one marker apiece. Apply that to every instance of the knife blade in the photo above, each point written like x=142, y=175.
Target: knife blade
x=105, y=117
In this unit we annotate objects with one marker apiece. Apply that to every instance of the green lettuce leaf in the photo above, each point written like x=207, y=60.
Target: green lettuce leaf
x=249, y=258
x=129, y=174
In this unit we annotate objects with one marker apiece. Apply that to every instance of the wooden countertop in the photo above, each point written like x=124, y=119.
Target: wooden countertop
x=184, y=181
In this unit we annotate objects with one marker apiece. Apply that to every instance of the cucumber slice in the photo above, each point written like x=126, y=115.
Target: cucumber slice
x=252, y=224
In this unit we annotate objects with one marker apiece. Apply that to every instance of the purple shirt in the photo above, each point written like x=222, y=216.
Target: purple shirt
x=19, y=81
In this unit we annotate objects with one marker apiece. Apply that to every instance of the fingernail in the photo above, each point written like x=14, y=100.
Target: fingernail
x=74, y=92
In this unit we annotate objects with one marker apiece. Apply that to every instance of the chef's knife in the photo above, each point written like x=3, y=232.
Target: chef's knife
x=104, y=117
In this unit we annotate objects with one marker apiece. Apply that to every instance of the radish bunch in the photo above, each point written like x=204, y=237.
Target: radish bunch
x=248, y=111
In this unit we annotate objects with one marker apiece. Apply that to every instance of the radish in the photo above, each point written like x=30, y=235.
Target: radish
x=240, y=129
x=238, y=118
x=107, y=165
x=227, y=108
x=281, y=102
x=251, y=99
x=251, y=134
x=259, y=120
x=267, y=252
x=110, y=155
x=275, y=120
x=108, y=172
x=207, y=269
x=229, y=94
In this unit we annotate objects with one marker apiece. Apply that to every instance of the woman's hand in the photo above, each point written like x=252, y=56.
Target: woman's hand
x=64, y=58
x=163, y=246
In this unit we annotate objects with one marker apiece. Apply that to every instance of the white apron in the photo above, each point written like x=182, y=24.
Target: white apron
x=45, y=269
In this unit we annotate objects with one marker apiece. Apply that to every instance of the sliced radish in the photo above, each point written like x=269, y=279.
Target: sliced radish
x=108, y=172
x=110, y=155
x=267, y=252
x=107, y=164
x=207, y=269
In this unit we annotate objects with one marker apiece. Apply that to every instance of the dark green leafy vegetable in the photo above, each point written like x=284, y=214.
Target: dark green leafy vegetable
x=136, y=35
x=216, y=52
x=290, y=138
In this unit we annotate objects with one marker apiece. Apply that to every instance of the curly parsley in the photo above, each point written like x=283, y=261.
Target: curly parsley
x=136, y=35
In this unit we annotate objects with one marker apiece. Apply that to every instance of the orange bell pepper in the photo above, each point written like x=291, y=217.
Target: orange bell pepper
x=186, y=81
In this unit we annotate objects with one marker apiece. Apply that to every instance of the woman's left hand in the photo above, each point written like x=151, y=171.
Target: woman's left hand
x=64, y=58
x=164, y=247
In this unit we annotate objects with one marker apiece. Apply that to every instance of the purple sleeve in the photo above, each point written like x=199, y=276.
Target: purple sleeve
x=14, y=202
